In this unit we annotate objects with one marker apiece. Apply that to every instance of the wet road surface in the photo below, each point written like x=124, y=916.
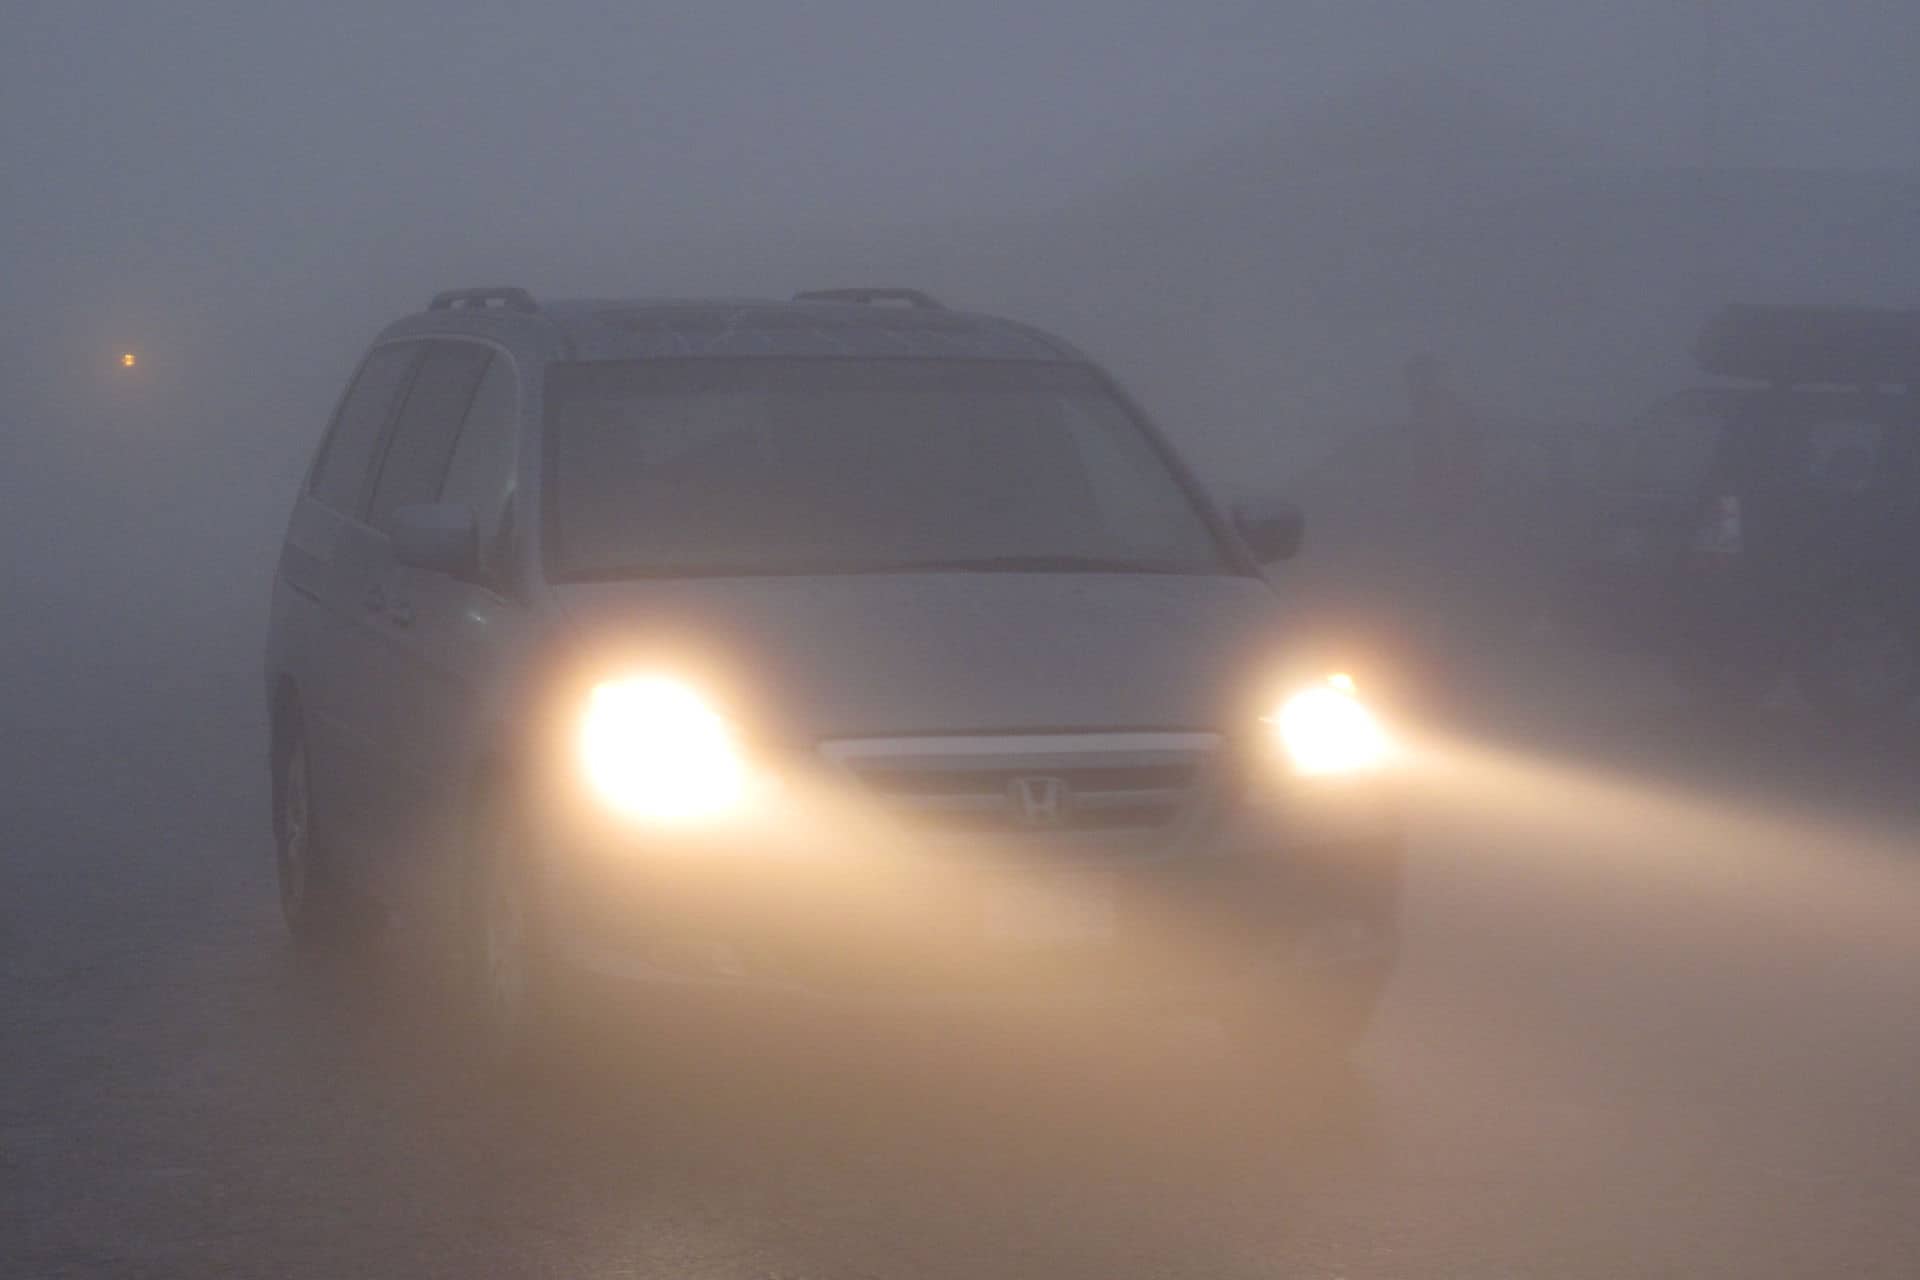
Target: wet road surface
x=1659, y=1015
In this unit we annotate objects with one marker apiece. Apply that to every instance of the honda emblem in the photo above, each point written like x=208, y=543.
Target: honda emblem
x=1040, y=802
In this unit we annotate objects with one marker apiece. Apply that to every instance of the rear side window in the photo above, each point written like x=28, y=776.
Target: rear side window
x=482, y=471
x=423, y=438
x=340, y=475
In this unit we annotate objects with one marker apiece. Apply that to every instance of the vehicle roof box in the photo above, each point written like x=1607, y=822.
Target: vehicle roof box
x=1801, y=344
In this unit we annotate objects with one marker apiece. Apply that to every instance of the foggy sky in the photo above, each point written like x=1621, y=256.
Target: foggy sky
x=245, y=192
x=274, y=181
x=123, y=126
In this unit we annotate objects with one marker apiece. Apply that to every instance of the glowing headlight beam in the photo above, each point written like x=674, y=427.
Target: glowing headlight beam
x=1326, y=729
x=655, y=750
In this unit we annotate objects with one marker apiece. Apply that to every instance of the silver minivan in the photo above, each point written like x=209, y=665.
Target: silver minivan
x=847, y=648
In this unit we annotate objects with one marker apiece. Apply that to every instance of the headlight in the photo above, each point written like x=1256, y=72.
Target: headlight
x=655, y=750
x=1326, y=729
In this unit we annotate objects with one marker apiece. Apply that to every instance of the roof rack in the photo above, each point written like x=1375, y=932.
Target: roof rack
x=506, y=296
x=914, y=298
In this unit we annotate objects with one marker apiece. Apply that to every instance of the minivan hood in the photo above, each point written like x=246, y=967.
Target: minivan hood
x=812, y=658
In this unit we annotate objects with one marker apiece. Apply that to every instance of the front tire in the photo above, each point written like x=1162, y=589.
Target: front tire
x=505, y=981
x=321, y=912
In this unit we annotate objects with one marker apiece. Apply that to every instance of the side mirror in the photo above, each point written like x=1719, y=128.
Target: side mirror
x=1272, y=530
x=441, y=537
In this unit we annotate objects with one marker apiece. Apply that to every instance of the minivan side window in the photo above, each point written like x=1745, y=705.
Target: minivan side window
x=481, y=473
x=340, y=475
x=423, y=438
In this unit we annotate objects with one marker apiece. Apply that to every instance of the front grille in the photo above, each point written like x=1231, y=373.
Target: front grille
x=1129, y=786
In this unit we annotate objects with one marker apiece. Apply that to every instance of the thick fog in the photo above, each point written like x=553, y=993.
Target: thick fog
x=1255, y=210
x=1255, y=213
x=1646, y=1025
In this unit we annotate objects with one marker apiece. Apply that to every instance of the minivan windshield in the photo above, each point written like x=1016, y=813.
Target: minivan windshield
x=698, y=467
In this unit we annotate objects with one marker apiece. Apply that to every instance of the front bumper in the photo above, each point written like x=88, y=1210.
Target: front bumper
x=877, y=916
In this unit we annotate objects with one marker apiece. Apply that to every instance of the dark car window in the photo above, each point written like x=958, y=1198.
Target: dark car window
x=340, y=476
x=429, y=423
x=481, y=473
x=795, y=466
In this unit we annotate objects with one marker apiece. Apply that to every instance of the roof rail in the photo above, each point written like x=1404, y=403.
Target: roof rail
x=478, y=299
x=911, y=297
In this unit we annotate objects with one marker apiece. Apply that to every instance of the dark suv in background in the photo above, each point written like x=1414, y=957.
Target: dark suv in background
x=848, y=647
x=1770, y=527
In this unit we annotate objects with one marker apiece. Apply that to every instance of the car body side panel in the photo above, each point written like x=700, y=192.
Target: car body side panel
x=330, y=561
x=446, y=670
x=325, y=627
x=446, y=649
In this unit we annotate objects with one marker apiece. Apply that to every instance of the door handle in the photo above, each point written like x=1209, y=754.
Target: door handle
x=375, y=599
x=402, y=613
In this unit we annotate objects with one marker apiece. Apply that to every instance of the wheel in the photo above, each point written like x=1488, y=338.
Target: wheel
x=504, y=984
x=1865, y=668
x=320, y=909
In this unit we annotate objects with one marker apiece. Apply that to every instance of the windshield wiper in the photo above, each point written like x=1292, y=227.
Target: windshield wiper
x=1031, y=564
